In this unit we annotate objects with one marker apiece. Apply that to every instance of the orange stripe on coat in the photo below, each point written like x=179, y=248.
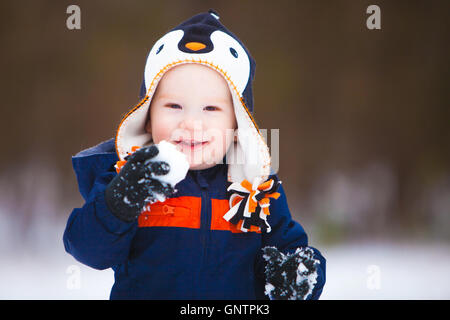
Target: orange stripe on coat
x=182, y=212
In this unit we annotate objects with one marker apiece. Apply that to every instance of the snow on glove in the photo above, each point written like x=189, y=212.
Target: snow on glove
x=291, y=276
x=148, y=176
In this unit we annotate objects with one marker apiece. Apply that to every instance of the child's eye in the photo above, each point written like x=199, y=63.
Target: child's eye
x=173, y=106
x=211, y=108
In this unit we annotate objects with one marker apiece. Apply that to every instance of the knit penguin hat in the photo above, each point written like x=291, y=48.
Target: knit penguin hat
x=202, y=39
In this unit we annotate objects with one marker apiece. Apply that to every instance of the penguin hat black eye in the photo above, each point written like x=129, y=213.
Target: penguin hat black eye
x=233, y=52
x=159, y=49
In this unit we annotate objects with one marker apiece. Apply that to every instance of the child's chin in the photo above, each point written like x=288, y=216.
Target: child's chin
x=200, y=165
x=202, y=160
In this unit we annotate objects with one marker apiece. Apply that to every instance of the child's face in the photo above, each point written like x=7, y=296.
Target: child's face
x=193, y=109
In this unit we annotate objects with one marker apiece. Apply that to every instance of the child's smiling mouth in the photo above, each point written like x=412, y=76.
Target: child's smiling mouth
x=191, y=144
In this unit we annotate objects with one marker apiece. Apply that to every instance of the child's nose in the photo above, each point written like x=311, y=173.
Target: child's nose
x=192, y=124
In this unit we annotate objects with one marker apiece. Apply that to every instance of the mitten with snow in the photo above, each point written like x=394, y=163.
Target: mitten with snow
x=290, y=276
x=147, y=177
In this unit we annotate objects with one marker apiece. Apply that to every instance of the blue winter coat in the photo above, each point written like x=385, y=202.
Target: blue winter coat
x=153, y=259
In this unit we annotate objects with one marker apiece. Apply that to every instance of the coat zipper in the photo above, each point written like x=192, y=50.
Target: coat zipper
x=205, y=223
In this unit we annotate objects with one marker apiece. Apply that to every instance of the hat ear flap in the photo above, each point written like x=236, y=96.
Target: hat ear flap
x=249, y=157
x=131, y=131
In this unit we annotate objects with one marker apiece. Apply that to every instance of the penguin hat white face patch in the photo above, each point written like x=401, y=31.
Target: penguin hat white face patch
x=204, y=40
x=226, y=54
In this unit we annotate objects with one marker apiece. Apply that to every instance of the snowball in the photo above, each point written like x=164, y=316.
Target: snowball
x=177, y=161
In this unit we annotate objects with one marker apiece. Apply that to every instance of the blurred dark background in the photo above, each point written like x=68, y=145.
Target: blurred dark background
x=363, y=115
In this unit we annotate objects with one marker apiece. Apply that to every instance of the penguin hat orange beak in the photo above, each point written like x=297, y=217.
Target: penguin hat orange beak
x=195, y=46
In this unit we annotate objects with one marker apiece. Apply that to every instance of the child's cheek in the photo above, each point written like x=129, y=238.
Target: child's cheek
x=221, y=142
x=162, y=131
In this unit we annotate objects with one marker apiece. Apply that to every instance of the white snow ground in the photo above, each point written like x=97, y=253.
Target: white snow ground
x=387, y=271
x=364, y=271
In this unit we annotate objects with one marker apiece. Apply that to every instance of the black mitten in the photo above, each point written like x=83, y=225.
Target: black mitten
x=135, y=185
x=291, y=276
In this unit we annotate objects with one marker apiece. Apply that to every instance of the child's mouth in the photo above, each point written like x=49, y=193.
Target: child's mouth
x=191, y=144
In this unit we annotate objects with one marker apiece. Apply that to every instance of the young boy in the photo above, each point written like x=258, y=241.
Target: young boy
x=224, y=231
